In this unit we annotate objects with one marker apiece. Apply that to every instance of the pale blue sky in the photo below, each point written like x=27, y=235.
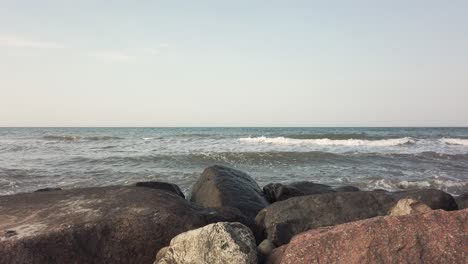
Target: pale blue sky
x=233, y=63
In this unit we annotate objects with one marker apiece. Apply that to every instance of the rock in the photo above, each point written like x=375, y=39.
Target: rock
x=220, y=186
x=214, y=243
x=276, y=255
x=462, y=201
x=162, y=186
x=275, y=192
x=435, y=199
x=280, y=221
x=436, y=237
x=118, y=224
x=48, y=190
x=409, y=206
x=347, y=189
x=265, y=247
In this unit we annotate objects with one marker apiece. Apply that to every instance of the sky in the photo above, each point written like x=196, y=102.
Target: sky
x=233, y=63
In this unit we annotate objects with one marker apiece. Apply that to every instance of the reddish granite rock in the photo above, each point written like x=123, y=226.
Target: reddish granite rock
x=436, y=237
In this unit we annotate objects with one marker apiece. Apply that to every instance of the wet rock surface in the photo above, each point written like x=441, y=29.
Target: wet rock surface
x=220, y=186
x=275, y=192
x=170, y=187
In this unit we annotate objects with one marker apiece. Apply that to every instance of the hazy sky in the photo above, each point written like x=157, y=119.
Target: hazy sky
x=233, y=63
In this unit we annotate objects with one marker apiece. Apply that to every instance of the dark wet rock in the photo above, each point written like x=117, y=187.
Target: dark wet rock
x=280, y=221
x=162, y=186
x=275, y=192
x=117, y=224
x=278, y=192
x=462, y=201
x=347, y=189
x=48, y=190
x=434, y=237
x=220, y=186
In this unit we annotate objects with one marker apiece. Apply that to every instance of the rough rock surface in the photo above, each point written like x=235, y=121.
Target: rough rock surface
x=280, y=221
x=118, y=224
x=462, y=201
x=275, y=192
x=276, y=255
x=170, y=187
x=215, y=243
x=220, y=186
x=436, y=237
x=409, y=206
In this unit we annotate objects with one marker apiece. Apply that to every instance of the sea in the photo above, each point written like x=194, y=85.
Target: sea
x=369, y=158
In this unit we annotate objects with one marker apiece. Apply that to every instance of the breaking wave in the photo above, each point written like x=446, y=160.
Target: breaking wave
x=330, y=142
x=76, y=138
x=455, y=141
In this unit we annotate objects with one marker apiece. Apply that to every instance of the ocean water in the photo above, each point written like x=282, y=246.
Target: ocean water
x=369, y=158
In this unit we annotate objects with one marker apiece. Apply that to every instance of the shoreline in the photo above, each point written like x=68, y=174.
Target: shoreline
x=160, y=215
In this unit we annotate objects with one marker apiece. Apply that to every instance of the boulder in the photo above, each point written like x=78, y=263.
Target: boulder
x=435, y=199
x=220, y=186
x=117, y=224
x=215, y=243
x=170, y=187
x=347, y=189
x=409, y=206
x=280, y=221
x=436, y=237
x=275, y=192
x=462, y=201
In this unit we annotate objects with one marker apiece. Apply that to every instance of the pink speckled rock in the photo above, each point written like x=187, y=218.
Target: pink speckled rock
x=435, y=237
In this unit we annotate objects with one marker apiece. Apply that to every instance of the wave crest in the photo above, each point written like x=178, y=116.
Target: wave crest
x=454, y=141
x=76, y=138
x=330, y=142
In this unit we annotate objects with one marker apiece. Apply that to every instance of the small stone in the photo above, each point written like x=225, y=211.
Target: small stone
x=265, y=247
x=409, y=206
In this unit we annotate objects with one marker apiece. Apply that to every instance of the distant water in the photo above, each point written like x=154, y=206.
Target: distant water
x=387, y=158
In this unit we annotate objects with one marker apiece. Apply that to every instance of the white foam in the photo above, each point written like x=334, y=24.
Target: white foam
x=329, y=142
x=455, y=141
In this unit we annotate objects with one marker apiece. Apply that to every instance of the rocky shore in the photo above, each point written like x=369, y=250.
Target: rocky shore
x=228, y=218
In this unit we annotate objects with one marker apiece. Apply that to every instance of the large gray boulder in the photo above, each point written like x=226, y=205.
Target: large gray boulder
x=118, y=224
x=282, y=220
x=215, y=244
x=220, y=186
